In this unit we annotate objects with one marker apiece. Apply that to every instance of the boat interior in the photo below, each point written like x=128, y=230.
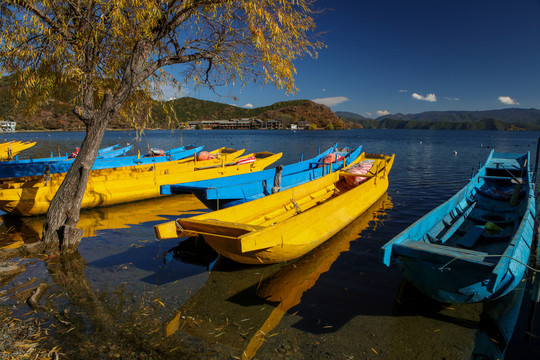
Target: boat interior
x=486, y=219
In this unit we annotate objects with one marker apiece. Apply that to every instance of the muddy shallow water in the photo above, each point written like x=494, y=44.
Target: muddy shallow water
x=127, y=295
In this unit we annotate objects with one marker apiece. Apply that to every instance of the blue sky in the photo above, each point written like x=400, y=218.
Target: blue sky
x=390, y=56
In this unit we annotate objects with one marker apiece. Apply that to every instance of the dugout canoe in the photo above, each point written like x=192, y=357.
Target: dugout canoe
x=121, y=185
x=475, y=246
x=111, y=159
x=233, y=190
x=290, y=223
x=110, y=151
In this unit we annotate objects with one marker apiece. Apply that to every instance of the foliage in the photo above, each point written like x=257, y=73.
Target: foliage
x=117, y=47
x=56, y=114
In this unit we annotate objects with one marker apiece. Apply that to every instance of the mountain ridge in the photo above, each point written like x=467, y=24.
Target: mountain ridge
x=498, y=119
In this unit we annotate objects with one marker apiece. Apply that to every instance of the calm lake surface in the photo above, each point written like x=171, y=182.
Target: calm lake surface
x=128, y=295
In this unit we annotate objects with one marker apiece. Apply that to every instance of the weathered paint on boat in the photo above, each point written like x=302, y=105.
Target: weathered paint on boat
x=453, y=253
x=121, y=185
x=233, y=190
x=290, y=223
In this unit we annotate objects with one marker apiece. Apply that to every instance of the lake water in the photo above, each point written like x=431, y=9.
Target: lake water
x=129, y=295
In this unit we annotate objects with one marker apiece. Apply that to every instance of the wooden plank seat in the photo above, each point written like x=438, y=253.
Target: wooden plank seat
x=471, y=236
x=431, y=252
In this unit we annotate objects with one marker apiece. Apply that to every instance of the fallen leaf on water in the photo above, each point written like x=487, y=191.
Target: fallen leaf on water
x=173, y=325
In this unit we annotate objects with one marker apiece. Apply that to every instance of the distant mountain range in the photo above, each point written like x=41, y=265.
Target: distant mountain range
x=58, y=115
x=504, y=119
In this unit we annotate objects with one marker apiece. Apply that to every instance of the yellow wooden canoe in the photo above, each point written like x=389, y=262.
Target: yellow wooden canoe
x=279, y=288
x=110, y=186
x=12, y=148
x=221, y=156
x=288, y=224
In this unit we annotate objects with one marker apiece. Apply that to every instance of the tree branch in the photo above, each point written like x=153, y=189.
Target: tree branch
x=36, y=11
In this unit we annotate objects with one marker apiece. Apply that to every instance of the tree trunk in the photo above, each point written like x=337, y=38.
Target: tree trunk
x=59, y=231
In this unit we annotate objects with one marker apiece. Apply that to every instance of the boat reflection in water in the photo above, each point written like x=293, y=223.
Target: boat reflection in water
x=240, y=305
x=497, y=324
x=14, y=231
x=478, y=331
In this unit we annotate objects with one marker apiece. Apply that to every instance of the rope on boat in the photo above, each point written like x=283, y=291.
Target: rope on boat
x=485, y=256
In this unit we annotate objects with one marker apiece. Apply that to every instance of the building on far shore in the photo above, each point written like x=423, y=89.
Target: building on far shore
x=302, y=125
x=236, y=124
x=7, y=125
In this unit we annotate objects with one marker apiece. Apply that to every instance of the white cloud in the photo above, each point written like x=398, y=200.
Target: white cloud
x=248, y=105
x=403, y=91
x=331, y=101
x=367, y=114
x=451, y=98
x=508, y=100
x=428, y=97
x=383, y=112
x=172, y=92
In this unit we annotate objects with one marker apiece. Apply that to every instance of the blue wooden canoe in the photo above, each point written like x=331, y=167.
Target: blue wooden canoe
x=112, y=152
x=39, y=167
x=108, y=152
x=233, y=190
x=475, y=246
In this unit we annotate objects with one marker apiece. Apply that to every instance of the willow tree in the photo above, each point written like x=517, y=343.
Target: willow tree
x=113, y=50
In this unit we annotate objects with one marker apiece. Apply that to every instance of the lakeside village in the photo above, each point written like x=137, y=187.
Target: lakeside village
x=231, y=124
x=244, y=124
x=7, y=126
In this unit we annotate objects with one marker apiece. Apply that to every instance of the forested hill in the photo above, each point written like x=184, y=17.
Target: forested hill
x=505, y=119
x=58, y=115
x=288, y=112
